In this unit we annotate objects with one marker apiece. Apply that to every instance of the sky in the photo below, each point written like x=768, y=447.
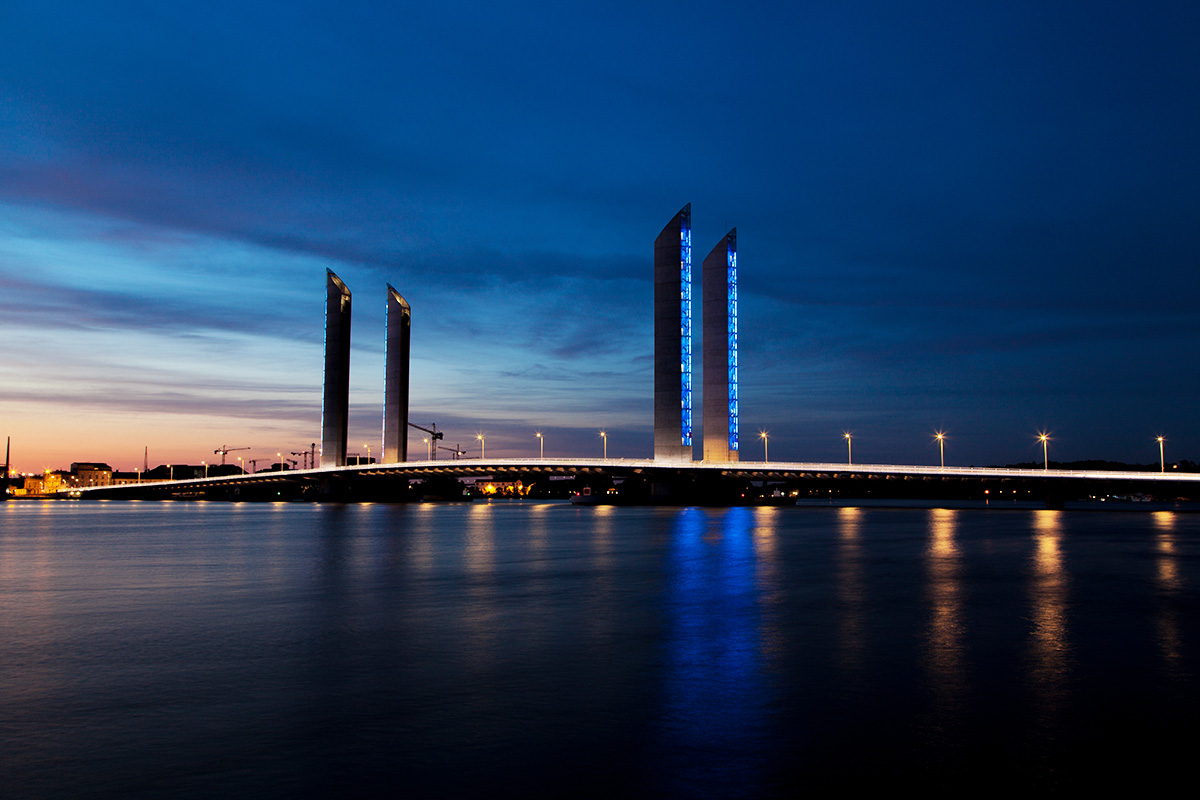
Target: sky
x=980, y=218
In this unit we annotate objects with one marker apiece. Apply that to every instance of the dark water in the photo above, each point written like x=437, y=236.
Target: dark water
x=207, y=649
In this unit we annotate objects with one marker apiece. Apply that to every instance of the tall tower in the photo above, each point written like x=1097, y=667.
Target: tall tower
x=395, y=391
x=335, y=407
x=719, y=303
x=673, y=339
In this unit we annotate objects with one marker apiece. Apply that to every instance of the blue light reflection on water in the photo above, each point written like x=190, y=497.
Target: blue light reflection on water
x=716, y=703
x=192, y=649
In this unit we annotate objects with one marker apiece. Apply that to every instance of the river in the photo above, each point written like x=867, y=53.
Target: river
x=191, y=649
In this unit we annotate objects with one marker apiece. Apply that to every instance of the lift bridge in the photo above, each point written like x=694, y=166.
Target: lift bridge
x=672, y=476
x=651, y=481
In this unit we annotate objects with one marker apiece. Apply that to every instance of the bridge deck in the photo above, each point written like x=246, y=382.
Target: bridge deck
x=625, y=467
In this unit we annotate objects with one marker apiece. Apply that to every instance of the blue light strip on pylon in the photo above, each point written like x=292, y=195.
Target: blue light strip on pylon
x=733, y=351
x=685, y=325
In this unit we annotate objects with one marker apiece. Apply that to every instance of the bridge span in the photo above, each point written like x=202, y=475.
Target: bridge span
x=649, y=481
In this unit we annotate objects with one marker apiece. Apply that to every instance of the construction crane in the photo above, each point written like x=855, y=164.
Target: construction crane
x=456, y=450
x=223, y=449
x=434, y=436
x=303, y=453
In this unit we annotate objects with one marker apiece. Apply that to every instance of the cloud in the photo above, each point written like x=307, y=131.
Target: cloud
x=982, y=212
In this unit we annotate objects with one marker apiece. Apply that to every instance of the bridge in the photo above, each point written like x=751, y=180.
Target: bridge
x=672, y=476
x=652, y=481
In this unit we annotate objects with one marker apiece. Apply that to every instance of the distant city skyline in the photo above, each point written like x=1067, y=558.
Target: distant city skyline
x=976, y=220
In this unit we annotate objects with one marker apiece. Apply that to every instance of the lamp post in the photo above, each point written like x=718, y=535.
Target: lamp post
x=1162, y=463
x=368, y=452
x=428, y=449
x=171, y=470
x=541, y=446
x=242, y=468
x=764, y=436
x=205, y=465
x=1044, y=438
x=482, y=447
x=849, y=452
x=604, y=438
x=941, y=440
x=280, y=461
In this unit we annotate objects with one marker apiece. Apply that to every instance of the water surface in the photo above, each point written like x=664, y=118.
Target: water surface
x=283, y=650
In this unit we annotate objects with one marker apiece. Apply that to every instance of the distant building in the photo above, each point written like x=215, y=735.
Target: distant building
x=48, y=482
x=174, y=472
x=90, y=473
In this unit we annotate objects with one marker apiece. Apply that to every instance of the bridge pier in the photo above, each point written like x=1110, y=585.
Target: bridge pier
x=335, y=405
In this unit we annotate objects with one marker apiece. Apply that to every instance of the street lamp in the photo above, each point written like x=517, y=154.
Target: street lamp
x=171, y=470
x=205, y=465
x=849, y=452
x=604, y=438
x=242, y=468
x=941, y=440
x=1044, y=438
x=368, y=452
x=280, y=461
x=482, y=447
x=541, y=446
x=1162, y=464
x=764, y=436
x=428, y=449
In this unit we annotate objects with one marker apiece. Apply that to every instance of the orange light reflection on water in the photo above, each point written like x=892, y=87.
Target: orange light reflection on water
x=851, y=593
x=1049, y=645
x=1167, y=627
x=944, y=655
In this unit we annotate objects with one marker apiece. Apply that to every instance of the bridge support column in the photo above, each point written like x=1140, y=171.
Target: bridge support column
x=719, y=303
x=673, y=339
x=395, y=393
x=335, y=408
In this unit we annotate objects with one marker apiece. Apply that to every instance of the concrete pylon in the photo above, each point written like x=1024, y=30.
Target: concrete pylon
x=673, y=339
x=718, y=281
x=395, y=392
x=335, y=406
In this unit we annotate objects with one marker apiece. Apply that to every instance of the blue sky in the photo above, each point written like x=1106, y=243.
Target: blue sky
x=975, y=217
